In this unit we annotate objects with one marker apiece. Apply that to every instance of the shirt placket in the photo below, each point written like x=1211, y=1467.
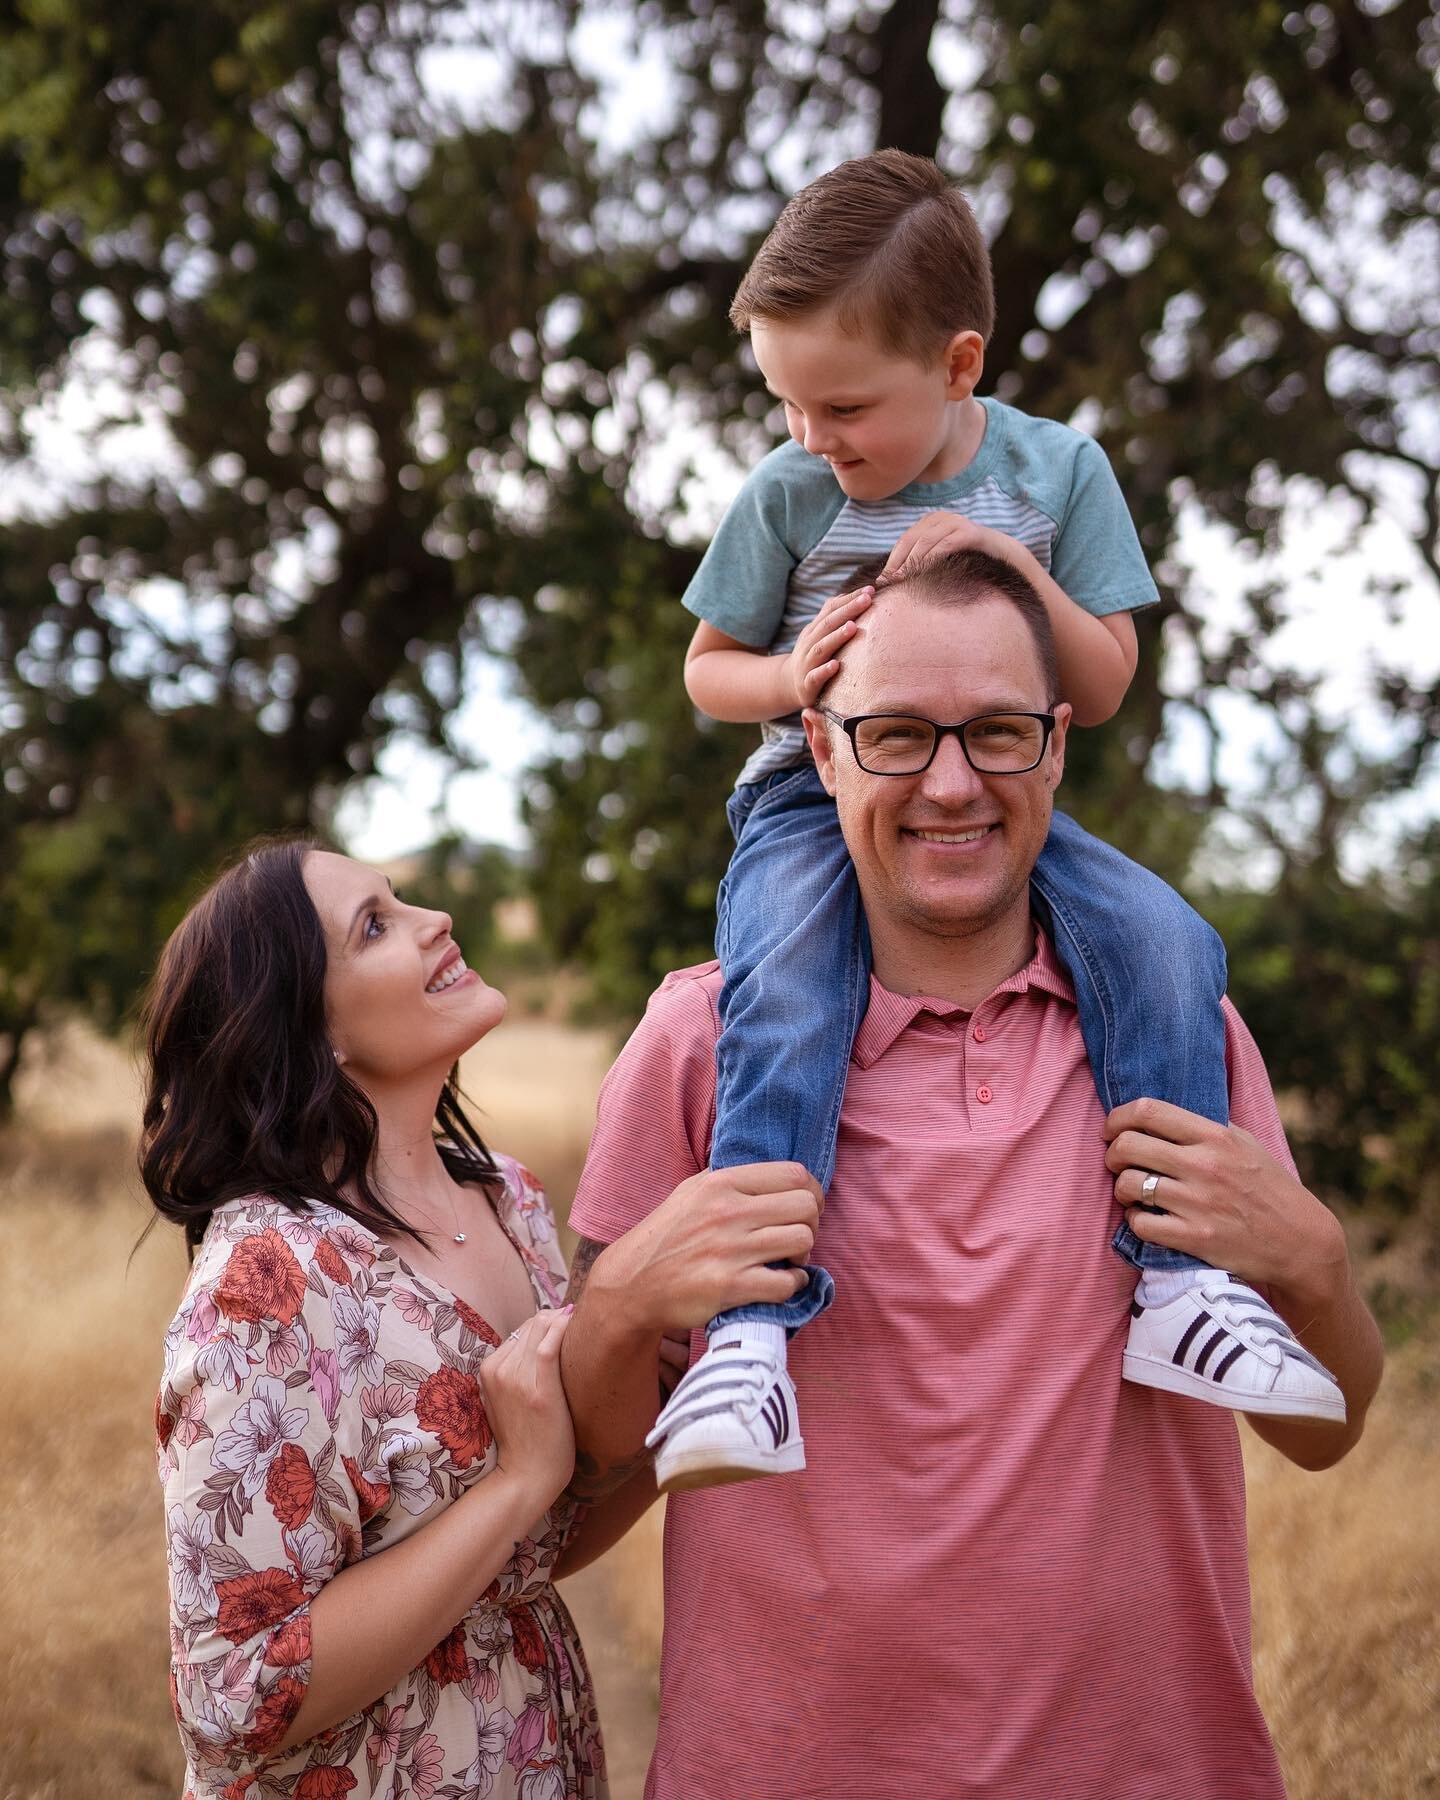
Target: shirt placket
x=989, y=1087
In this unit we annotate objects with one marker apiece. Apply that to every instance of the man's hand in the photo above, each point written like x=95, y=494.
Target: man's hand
x=1226, y=1200
x=1229, y=1202
x=707, y=1247
x=815, y=658
x=943, y=531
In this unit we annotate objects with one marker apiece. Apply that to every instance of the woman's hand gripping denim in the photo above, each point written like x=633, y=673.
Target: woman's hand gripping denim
x=1149, y=975
x=792, y=945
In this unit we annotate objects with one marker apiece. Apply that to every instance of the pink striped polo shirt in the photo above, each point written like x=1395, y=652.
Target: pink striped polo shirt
x=1005, y=1572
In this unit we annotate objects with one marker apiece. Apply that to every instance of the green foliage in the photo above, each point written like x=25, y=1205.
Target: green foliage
x=1340, y=983
x=378, y=382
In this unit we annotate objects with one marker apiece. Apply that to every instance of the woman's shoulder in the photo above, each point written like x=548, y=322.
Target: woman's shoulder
x=262, y=1262
x=527, y=1211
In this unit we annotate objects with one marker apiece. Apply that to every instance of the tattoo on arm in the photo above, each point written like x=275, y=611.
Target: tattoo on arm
x=586, y=1252
x=591, y=1481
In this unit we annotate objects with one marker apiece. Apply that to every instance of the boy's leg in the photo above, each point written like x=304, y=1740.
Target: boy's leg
x=1149, y=976
x=792, y=946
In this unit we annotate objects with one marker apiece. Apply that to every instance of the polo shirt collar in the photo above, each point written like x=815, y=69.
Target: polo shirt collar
x=889, y=1014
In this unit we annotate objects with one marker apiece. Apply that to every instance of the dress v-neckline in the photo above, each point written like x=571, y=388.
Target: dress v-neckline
x=389, y=1250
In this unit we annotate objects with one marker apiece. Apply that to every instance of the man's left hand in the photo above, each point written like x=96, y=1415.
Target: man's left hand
x=1225, y=1199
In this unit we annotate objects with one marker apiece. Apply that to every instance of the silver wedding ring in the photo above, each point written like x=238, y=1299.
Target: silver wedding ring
x=1148, y=1187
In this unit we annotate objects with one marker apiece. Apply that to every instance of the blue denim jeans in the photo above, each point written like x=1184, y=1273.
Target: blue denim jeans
x=1148, y=974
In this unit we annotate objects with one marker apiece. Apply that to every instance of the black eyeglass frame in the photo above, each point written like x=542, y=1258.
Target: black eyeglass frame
x=852, y=725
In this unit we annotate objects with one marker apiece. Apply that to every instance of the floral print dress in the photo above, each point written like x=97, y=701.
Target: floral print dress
x=319, y=1404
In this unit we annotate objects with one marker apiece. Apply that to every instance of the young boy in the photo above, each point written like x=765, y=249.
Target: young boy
x=868, y=308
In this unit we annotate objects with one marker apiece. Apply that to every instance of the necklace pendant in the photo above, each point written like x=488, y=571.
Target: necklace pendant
x=459, y=1237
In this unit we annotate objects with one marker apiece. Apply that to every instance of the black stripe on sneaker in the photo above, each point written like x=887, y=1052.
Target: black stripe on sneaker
x=1226, y=1361
x=1222, y=1336
x=772, y=1419
x=1189, y=1337
x=1136, y=1309
x=779, y=1396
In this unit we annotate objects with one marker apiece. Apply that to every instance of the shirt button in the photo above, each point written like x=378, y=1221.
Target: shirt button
x=980, y=1034
x=984, y=1095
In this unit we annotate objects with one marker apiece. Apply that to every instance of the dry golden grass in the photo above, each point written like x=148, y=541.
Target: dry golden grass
x=1346, y=1564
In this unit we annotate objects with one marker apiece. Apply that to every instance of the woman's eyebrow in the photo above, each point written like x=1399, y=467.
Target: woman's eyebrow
x=367, y=904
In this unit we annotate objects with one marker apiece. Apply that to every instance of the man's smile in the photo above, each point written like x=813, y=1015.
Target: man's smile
x=972, y=834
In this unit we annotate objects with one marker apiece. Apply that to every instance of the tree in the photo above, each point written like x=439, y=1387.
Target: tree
x=1189, y=212
x=293, y=295
x=392, y=377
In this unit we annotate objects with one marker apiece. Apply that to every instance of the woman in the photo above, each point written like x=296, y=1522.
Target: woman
x=365, y=1358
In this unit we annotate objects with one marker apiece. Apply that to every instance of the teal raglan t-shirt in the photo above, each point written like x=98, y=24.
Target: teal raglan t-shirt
x=791, y=538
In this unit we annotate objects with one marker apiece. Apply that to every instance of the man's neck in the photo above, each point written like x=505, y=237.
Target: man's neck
x=908, y=959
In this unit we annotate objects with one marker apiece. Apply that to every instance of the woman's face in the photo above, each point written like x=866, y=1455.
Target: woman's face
x=398, y=997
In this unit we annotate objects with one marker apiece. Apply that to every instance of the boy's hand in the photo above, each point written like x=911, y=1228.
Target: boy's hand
x=815, y=657
x=942, y=531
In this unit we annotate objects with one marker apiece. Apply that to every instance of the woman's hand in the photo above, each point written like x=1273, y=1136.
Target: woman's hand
x=815, y=657
x=709, y=1246
x=1226, y=1200
x=525, y=1403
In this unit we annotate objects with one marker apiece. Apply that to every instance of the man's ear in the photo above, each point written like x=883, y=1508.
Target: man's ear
x=1055, y=752
x=817, y=733
x=964, y=364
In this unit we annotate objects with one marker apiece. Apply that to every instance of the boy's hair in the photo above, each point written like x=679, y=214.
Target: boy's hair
x=889, y=243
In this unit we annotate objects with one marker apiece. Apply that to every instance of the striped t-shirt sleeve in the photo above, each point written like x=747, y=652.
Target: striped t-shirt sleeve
x=787, y=504
x=1096, y=557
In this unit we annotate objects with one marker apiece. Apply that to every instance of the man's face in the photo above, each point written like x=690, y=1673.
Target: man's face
x=880, y=420
x=948, y=851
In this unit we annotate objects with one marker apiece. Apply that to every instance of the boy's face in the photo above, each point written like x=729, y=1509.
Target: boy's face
x=880, y=420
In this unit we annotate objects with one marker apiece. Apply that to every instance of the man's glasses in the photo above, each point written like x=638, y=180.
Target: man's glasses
x=1009, y=743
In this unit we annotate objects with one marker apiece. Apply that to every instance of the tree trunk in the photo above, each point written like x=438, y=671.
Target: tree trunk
x=13, y=1032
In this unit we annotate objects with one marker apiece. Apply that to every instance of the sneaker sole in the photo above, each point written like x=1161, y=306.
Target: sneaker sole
x=1173, y=1380
x=687, y=1470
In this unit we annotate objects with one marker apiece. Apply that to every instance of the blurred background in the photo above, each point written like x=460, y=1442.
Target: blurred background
x=366, y=401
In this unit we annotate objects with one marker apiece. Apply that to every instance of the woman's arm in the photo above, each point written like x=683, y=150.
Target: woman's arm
x=378, y=1619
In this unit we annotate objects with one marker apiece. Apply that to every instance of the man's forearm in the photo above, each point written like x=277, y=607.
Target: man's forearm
x=611, y=1364
x=1324, y=1309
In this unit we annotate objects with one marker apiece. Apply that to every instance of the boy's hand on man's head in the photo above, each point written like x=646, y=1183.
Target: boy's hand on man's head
x=815, y=657
x=940, y=532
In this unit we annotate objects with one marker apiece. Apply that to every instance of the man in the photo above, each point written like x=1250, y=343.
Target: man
x=1005, y=1572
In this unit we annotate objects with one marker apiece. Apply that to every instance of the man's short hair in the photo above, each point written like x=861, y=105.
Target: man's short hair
x=890, y=244
x=968, y=577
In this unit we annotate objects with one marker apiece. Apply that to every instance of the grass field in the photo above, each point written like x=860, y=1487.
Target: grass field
x=1346, y=1565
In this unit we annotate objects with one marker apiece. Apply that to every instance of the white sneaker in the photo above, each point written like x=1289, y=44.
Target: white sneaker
x=1219, y=1341
x=732, y=1417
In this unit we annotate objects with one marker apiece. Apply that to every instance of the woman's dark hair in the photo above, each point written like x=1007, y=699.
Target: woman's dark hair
x=243, y=1092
